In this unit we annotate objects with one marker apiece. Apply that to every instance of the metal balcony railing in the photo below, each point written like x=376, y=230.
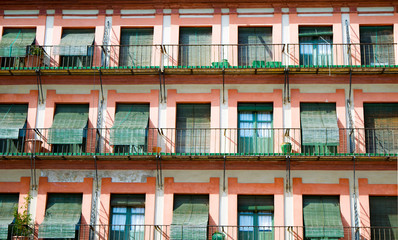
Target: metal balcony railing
x=214, y=56
x=203, y=141
x=167, y=232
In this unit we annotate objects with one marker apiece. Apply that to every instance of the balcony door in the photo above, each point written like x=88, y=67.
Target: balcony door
x=316, y=45
x=195, y=46
x=377, y=47
x=255, y=128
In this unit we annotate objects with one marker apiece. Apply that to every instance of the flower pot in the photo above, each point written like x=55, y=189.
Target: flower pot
x=20, y=238
x=286, y=148
x=218, y=236
x=156, y=149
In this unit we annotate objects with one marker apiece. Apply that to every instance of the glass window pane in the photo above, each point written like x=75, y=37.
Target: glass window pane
x=138, y=210
x=265, y=221
x=119, y=210
x=264, y=116
x=118, y=222
x=246, y=221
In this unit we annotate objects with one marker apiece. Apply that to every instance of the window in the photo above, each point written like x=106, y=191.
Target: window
x=377, y=45
x=130, y=129
x=8, y=203
x=383, y=217
x=319, y=130
x=381, y=127
x=255, y=46
x=15, y=46
x=68, y=132
x=76, y=48
x=195, y=48
x=316, y=45
x=255, y=128
x=255, y=217
x=136, y=47
x=190, y=217
x=12, y=121
x=62, y=217
x=127, y=216
x=193, y=128
x=322, y=218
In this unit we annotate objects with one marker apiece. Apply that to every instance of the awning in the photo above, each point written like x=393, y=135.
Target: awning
x=255, y=107
x=322, y=218
x=69, y=122
x=14, y=42
x=130, y=126
x=12, y=119
x=315, y=31
x=62, y=215
x=190, y=217
x=76, y=42
x=8, y=203
x=319, y=124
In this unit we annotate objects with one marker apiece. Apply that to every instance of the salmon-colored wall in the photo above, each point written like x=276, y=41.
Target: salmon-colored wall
x=114, y=97
x=53, y=98
x=108, y=188
x=275, y=189
x=22, y=188
x=338, y=98
x=212, y=188
x=45, y=187
x=31, y=99
x=364, y=191
x=39, y=23
x=342, y=189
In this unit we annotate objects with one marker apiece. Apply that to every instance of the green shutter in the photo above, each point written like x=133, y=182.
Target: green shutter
x=195, y=46
x=255, y=107
x=8, y=204
x=254, y=45
x=136, y=47
x=69, y=122
x=76, y=42
x=319, y=124
x=63, y=213
x=190, y=217
x=12, y=119
x=384, y=217
x=377, y=45
x=255, y=203
x=380, y=118
x=193, y=128
x=322, y=218
x=14, y=42
x=130, y=126
x=315, y=31
x=128, y=200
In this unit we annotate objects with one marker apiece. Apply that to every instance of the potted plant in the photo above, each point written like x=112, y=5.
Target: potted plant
x=21, y=229
x=218, y=236
x=286, y=147
x=35, y=56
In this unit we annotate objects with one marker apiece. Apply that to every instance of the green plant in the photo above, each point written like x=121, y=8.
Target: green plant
x=35, y=50
x=23, y=219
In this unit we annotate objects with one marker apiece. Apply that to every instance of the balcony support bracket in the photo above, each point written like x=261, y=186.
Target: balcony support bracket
x=288, y=183
x=224, y=174
x=286, y=87
x=223, y=85
x=159, y=174
x=33, y=171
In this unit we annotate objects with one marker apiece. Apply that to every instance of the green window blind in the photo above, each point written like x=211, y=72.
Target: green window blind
x=68, y=124
x=193, y=128
x=255, y=203
x=255, y=107
x=190, y=217
x=130, y=126
x=316, y=45
x=322, y=218
x=319, y=124
x=381, y=124
x=76, y=42
x=377, y=45
x=195, y=48
x=254, y=44
x=128, y=200
x=384, y=217
x=8, y=204
x=136, y=49
x=14, y=42
x=12, y=119
x=63, y=213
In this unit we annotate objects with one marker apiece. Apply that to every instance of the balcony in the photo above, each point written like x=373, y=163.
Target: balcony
x=205, y=59
x=162, y=232
x=202, y=142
